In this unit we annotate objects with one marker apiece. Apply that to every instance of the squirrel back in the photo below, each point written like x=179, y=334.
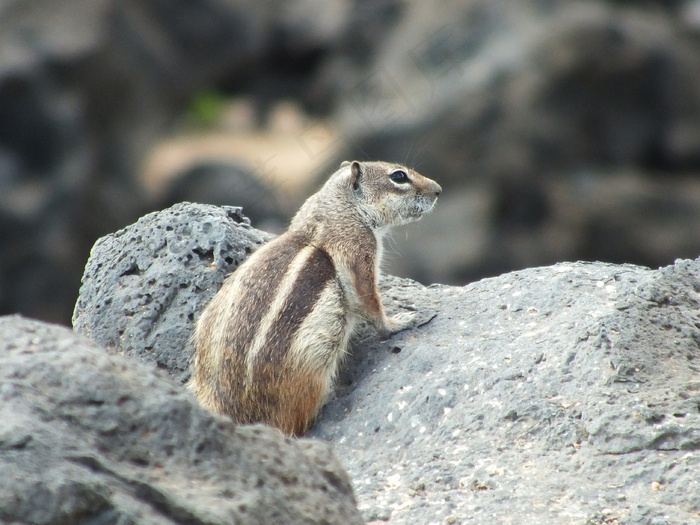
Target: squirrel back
x=268, y=345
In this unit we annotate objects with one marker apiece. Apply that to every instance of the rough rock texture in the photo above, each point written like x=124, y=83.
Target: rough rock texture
x=144, y=285
x=90, y=438
x=564, y=394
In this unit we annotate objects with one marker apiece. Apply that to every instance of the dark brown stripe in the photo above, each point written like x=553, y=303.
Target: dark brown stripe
x=261, y=281
x=257, y=282
x=307, y=288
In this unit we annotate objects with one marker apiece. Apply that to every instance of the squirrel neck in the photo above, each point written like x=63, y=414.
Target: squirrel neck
x=322, y=219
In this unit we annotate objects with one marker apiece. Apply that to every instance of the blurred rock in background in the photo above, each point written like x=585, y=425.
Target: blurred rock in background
x=559, y=130
x=578, y=124
x=85, y=90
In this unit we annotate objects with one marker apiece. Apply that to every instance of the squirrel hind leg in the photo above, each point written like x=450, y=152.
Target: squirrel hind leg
x=302, y=397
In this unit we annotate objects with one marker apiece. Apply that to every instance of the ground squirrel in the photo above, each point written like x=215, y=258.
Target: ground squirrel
x=268, y=345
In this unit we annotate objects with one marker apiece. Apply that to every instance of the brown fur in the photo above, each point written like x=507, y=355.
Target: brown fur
x=268, y=344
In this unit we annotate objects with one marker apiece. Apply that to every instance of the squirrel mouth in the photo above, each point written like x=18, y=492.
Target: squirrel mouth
x=421, y=206
x=426, y=205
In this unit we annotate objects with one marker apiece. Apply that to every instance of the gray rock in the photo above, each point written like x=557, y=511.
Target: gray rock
x=563, y=394
x=92, y=438
x=144, y=284
x=492, y=88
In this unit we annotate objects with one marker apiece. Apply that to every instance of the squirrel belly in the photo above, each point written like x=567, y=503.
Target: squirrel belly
x=268, y=345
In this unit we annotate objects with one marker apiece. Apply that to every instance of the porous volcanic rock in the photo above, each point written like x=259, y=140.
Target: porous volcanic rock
x=562, y=394
x=144, y=285
x=91, y=438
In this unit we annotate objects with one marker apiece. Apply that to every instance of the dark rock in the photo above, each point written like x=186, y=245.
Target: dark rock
x=85, y=90
x=92, y=438
x=301, y=36
x=531, y=105
x=144, y=285
x=223, y=183
x=492, y=89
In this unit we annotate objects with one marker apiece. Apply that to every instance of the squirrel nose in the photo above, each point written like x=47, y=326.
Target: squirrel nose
x=438, y=189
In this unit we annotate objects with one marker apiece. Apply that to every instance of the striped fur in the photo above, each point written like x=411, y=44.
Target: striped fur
x=268, y=345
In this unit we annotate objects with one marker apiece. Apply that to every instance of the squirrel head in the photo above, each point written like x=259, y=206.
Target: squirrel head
x=389, y=194
x=379, y=195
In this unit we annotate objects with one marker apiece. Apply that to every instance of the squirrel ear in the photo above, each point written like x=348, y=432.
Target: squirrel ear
x=356, y=175
x=344, y=163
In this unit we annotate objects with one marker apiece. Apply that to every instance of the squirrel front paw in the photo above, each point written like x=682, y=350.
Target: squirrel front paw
x=397, y=323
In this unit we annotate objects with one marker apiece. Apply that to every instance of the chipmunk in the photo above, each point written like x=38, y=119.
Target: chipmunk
x=268, y=345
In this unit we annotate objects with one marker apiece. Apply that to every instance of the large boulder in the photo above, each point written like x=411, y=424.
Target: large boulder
x=562, y=394
x=144, y=285
x=556, y=394
x=91, y=438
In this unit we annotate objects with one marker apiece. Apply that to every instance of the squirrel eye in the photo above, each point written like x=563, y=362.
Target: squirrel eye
x=399, y=176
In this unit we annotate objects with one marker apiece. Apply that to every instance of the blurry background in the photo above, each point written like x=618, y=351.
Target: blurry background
x=559, y=130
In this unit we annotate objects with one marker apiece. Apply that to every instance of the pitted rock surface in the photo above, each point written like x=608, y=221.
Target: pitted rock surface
x=86, y=437
x=144, y=285
x=561, y=394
